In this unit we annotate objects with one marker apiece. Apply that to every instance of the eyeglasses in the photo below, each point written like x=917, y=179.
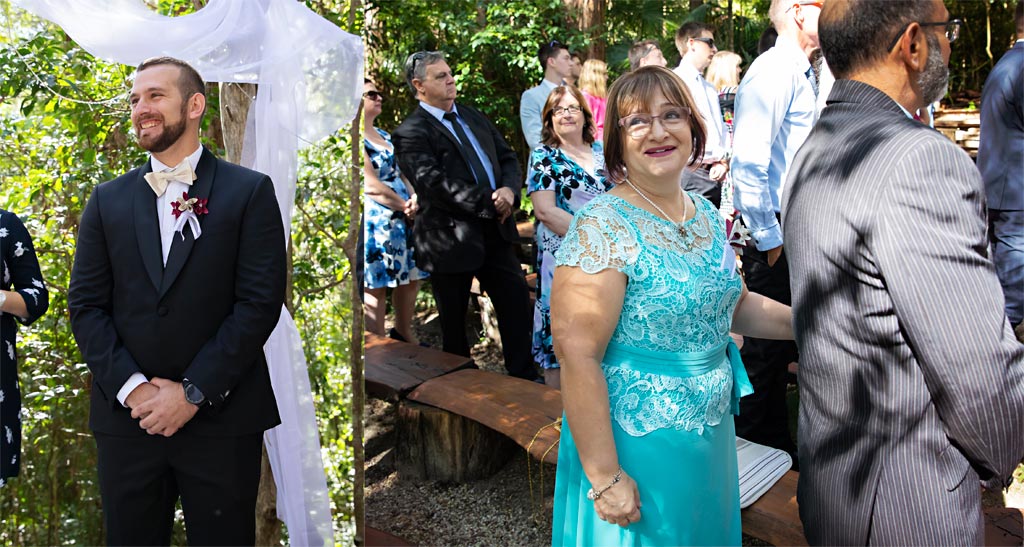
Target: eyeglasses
x=649, y=50
x=639, y=125
x=560, y=111
x=373, y=96
x=709, y=41
x=815, y=4
x=419, y=56
x=952, y=30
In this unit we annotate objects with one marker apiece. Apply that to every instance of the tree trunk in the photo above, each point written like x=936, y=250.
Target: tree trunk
x=234, y=109
x=350, y=247
x=589, y=16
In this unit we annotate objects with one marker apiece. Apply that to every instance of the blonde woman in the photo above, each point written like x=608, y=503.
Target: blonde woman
x=593, y=82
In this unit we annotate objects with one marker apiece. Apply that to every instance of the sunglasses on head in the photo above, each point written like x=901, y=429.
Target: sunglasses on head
x=373, y=96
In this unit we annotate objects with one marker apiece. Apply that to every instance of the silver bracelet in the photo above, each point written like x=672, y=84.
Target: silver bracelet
x=594, y=496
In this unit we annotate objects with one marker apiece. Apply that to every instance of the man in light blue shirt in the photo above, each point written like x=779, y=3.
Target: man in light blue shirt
x=557, y=63
x=775, y=109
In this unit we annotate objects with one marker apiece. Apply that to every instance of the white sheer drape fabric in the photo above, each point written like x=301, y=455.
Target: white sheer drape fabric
x=310, y=81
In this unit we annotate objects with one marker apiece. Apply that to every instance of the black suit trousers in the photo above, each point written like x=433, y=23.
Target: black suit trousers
x=502, y=279
x=217, y=478
x=764, y=417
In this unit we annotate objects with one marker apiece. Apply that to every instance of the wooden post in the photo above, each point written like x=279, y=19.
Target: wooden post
x=234, y=109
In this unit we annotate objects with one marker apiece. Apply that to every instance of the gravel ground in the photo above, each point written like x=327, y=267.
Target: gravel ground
x=494, y=511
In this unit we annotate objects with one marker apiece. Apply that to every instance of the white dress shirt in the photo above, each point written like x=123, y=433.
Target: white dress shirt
x=706, y=97
x=165, y=219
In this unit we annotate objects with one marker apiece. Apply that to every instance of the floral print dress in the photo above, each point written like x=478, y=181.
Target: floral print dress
x=551, y=169
x=19, y=271
x=388, y=248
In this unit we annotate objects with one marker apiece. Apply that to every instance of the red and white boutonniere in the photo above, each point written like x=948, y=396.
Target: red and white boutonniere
x=738, y=236
x=187, y=211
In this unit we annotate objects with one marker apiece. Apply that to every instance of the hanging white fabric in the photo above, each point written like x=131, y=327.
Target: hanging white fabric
x=310, y=83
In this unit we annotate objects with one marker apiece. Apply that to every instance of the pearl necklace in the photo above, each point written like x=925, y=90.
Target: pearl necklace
x=681, y=225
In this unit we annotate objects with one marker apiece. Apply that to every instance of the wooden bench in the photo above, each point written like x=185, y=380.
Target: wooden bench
x=393, y=368
x=379, y=538
x=466, y=425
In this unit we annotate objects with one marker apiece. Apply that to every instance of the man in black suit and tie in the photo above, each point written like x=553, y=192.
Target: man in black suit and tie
x=911, y=380
x=468, y=181
x=177, y=283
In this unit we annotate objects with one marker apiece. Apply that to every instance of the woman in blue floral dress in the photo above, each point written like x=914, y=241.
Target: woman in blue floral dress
x=644, y=295
x=389, y=207
x=23, y=298
x=566, y=172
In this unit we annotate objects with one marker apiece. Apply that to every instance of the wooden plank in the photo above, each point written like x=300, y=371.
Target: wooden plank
x=522, y=410
x=526, y=230
x=395, y=368
x=775, y=517
x=380, y=538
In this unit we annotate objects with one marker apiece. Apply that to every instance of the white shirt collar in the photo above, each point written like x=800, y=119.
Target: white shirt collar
x=685, y=69
x=437, y=112
x=193, y=160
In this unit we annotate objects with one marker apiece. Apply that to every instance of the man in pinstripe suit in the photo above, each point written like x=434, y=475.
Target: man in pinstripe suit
x=911, y=380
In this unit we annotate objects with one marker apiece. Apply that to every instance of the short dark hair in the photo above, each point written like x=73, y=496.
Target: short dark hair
x=639, y=50
x=844, y=29
x=547, y=132
x=548, y=50
x=416, y=66
x=692, y=29
x=631, y=93
x=767, y=39
x=1018, y=18
x=189, y=80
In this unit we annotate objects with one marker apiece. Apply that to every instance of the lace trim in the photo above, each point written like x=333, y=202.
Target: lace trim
x=643, y=402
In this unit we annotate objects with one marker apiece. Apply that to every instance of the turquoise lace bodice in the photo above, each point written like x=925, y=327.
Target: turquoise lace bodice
x=680, y=296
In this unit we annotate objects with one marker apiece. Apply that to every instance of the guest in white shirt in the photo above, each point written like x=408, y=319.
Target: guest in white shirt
x=696, y=45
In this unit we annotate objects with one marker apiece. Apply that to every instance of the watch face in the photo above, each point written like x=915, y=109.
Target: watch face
x=193, y=395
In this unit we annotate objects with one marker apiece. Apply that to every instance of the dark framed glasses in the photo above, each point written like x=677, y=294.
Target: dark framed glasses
x=373, y=96
x=952, y=30
x=709, y=41
x=560, y=111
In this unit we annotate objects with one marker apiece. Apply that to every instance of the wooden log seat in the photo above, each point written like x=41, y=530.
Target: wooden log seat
x=393, y=368
x=467, y=424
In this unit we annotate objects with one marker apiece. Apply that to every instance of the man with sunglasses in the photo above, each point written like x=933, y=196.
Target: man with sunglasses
x=774, y=112
x=467, y=179
x=696, y=44
x=911, y=381
x=557, y=63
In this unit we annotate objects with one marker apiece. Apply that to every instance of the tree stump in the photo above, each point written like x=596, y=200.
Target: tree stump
x=434, y=444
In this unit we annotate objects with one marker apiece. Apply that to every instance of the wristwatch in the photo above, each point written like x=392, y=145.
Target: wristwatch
x=192, y=393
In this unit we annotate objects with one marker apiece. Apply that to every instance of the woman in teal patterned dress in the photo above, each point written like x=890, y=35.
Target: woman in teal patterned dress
x=389, y=206
x=566, y=172
x=644, y=295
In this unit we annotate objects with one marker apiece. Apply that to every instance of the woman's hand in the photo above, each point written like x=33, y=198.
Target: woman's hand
x=411, y=207
x=619, y=504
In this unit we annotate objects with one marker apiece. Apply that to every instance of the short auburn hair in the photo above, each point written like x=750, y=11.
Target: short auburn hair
x=631, y=93
x=547, y=133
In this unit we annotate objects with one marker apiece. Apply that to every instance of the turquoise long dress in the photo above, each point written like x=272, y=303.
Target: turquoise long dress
x=674, y=378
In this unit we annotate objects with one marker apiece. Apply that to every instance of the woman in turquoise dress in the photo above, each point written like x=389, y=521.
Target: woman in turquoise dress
x=644, y=295
x=389, y=206
x=566, y=172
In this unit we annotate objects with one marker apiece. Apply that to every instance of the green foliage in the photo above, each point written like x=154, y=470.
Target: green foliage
x=64, y=128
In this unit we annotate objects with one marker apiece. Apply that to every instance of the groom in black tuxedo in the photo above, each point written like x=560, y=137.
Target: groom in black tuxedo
x=177, y=283
x=467, y=181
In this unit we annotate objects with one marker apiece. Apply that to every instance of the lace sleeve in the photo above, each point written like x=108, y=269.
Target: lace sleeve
x=599, y=238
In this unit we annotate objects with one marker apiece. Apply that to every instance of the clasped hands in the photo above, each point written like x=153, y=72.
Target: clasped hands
x=503, y=200
x=161, y=407
x=412, y=205
x=718, y=171
x=619, y=504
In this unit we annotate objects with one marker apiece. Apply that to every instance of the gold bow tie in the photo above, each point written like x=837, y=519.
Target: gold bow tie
x=159, y=181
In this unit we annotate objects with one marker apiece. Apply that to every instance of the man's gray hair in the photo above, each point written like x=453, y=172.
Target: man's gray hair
x=416, y=66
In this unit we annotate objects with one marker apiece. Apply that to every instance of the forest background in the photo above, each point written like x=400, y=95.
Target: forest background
x=64, y=127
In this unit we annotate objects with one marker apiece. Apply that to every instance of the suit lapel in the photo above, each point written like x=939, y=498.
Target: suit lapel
x=147, y=227
x=181, y=248
x=447, y=133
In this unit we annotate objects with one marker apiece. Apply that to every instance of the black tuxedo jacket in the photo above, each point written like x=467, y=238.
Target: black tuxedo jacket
x=449, y=229
x=205, y=316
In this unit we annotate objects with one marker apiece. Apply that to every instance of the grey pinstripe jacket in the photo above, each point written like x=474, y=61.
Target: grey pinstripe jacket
x=911, y=381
